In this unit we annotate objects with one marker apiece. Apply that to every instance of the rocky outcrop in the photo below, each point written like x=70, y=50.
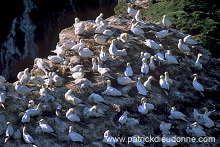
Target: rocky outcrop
x=181, y=94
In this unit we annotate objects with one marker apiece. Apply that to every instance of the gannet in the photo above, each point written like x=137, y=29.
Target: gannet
x=58, y=81
x=131, y=11
x=81, y=43
x=207, y=121
x=137, y=30
x=94, y=111
x=160, y=58
x=44, y=97
x=128, y=71
x=70, y=115
x=167, y=79
x=99, y=18
x=125, y=38
x=166, y=22
x=85, y=52
x=19, y=75
x=198, y=117
x=144, y=66
x=195, y=130
x=94, y=65
x=25, y=77
x=145, y=107
x=2, y=99
x=145, y=55
x=60, y=112
x=184, y=48
x=25, y=117
x=36, y=80
x=197, y=86
x=109, y=139
x=188, y=39
x=113, y=49
x=176, y=114
x=59, y=50
x=151, y=44
x=55, y=58
x=123, y=80
x=71, y=98
x=171, y=59
x=2, y=79
x=122, y=119
x=111, y=91
x=67, y=45
x=73, y=136
x=104, y=71
x=84, y=83
x=136, y=141
x=74, y=68
x=151, y=64
x=31, y=104
x=147, y=84
x=96, y=98
x=140, y=87
x=160, y=34
x=100, y=39
x=9, y=131
x=43, y=65
x=45, y=127
x=79, y=27
x=138, y=16
x=101, y=28
x=78, y=75
x=164, y=85
x=165, y=127
x=27, y=137
x=108, y=32
x=35, y=111
x=103, y=55
x=168, y=141
x=49, y=80
x=22, y=89
x=197, y=64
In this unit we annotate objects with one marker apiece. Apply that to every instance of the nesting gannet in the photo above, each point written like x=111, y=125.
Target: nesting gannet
x=188, y=39
x=138, y=16
x=198, y=117
x=9, y=131
x=160, y=58
x=99, y=18
x=74, y=68
x=184, y=48
x=207, y=121
x=85, y=52
x=60, y=112
x=100, y=39
x=151, y=44
x=44, y=96
x=128, y=71
x=145, y=55
x=164, y=85
x=78, y=75
x=168, y=141
x=25, y=77
x=195, y=130
x=31, y=104
x=70, y=115
x=171, y=59
x=125, y=38
x=137, y=30
x=104, y=71
x=19, y=75
x=123, y=80
x=81, y=43
x=2, y=99
x=108, y=32
x=84, y=83
x=165, y=127
x=36, y=80
x=136, y=141
x=103, y=55
x=96, y=98
x=79, y=27
x=131, y=11
x=73, y=136
x=144, y=66
x=166, y=22
x=35, y=111
x=145, y=107
x=67, y=45
x=160, y=34
x=58, y=81
x=71, y=98
x=151, y=64
x=45, y=127
x=113, y=49
x=94, y=111
x=25, y=117
x=197, y=86
x=122, y=119
x=111, y=91
x=59, y=50
x=2, y=79
x=147, y=84
x=101, y=28
x=55, y=58
x=22, y=89
x=167, y=79
x=108, y=139
x=43, y=65
x=176, y=114
x=197, y=64
x=140, y=87
x=49, y=80
x=27, y=137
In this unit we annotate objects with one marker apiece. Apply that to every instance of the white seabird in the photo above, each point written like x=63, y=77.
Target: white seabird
x=145, y=55
x=94, y=111
x=99, y=19
x=59, y=50
x=151, y=44
x=122, y=119
x=138, y=16
x=144, y=66
x=125, y=38
x=67, y=45
x=113, y=49
x=71, y=98
x=55, y=58
x=140, y=87
x=147, y=84
x=103, y=55
x=45, y=127
x=167, y=79
x=2, y=99
x=166, y=22
x=195, y=130
x=160, y=58
x=79, y=27
x=96, y=98
x=78, y=75
x=9, y=131
x=171, y=59
x=197, y=64
x=108, y=32
x=145, y=107
x=81, y=43
x=111, y=91
x=84, y=83
x=58, y=81
x=73, y=136
x=165, y=127
x=184, y=48
x=74, y=68
x=197, y=86
x=176, y=114
x=70, y=115
x=131, y=11
x=164, y=85
x=188, y=39
x=104, y=71
x=101, y=28
x=85, y=52
x=31, y=104
x=100, y=39
x=128, y=71
x=25, y=117
x=42, y=64
x=137, y=30
x=124, y=80
x=27, y=137
x=94, y=65
x=35, y=111
x=108, y=139
x=25, y=77
x=22, y=89
x=207, y=121
x=160, y=34
x=151, y=64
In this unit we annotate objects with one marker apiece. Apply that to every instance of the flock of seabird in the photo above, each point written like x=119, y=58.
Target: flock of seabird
x=98, y=66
